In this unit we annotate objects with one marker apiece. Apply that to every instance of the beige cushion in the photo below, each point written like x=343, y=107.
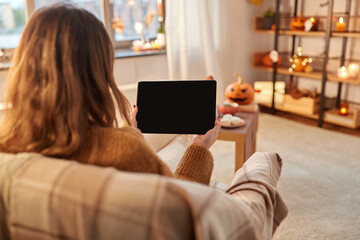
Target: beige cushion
x=159, y=141
x=174, y=150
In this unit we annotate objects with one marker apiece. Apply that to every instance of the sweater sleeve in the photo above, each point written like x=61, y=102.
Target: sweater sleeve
x=196, y=165
x=126, y=149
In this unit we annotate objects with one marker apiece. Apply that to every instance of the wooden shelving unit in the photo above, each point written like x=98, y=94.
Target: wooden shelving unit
x=313, y=75
x=284, y=70
x=287, y=32
x=351, y=120
x=310, y=34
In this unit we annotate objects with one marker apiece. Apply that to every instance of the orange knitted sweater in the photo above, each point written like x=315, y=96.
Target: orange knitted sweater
x=126, y=149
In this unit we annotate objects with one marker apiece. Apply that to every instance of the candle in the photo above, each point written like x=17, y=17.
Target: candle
x=342, y=72
x=137, y=45
x=340, y=25
x=160, y=8
x=344, y=109
x=155, y=44
x=353, y=70
x=147, y=45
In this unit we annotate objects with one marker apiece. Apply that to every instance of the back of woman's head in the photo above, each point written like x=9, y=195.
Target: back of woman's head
x=60, y=83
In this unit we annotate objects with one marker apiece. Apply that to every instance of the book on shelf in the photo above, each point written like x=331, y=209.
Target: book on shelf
x=334, y=116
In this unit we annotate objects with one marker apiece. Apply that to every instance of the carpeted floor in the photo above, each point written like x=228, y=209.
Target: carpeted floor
x=320, y=179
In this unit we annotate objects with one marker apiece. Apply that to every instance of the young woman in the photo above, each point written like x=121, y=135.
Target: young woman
x=60, y=101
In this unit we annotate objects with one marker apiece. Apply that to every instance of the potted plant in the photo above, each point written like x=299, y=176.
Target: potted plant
x=268, y=18
x=161, y=34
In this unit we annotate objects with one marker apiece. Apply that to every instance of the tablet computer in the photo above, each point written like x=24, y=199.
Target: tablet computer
x=181, y=107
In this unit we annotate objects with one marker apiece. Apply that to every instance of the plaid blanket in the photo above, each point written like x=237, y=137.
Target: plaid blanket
x=43, y=198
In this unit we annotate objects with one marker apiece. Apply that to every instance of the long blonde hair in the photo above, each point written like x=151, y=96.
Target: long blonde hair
x=60, y=84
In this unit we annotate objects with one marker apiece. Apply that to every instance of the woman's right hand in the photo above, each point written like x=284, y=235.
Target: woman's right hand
x=207, y=140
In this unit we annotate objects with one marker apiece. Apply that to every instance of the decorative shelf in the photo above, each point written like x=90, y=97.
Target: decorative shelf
x=281, y=108
x=325, y=27
x=346, y=34
x=352, y=120
x=293, y=33
x=285, y=31
x=284, y=70
x=313, y=75
x=310, y=34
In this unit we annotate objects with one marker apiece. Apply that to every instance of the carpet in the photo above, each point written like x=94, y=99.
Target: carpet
x=320, y=180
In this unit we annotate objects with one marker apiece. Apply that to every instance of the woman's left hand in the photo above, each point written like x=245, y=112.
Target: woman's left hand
x=207, y=140
x=133, y=121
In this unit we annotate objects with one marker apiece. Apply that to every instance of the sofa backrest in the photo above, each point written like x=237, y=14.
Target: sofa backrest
x=50, y=198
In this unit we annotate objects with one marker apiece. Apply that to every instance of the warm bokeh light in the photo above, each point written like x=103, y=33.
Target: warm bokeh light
x=344, y=109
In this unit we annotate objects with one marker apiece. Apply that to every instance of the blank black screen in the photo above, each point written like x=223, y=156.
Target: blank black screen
x=183, y=107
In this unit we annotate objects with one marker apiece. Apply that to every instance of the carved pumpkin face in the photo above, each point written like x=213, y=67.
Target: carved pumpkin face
x=298, y=24
x=240, y=93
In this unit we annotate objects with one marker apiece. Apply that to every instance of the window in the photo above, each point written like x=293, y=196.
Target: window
x=133, y=11
x=92, y=6
x=127, y=14
x=12, y=22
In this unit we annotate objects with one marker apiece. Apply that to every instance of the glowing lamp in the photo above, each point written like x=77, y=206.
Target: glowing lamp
x=353, y=70
x=344, y=109
x=342, y=72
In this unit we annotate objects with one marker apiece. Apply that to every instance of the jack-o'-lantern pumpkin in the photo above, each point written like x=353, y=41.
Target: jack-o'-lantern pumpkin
x=268, y=62
x=298, y=23
x=239, y=92
x=298, y=62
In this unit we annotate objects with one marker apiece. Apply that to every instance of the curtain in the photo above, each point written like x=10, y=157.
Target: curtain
x=215, y=37
x=191, y=41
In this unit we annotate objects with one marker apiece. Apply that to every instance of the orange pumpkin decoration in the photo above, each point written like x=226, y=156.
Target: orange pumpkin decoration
x=239, y=92
x=266, y=60
x=298, y=62
x=298, y=24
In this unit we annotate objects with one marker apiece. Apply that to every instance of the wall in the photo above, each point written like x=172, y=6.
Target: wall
x=127, y=72
x=238, y=47
x=238, y=41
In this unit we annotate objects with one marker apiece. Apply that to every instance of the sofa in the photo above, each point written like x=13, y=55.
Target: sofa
x=46, y=198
